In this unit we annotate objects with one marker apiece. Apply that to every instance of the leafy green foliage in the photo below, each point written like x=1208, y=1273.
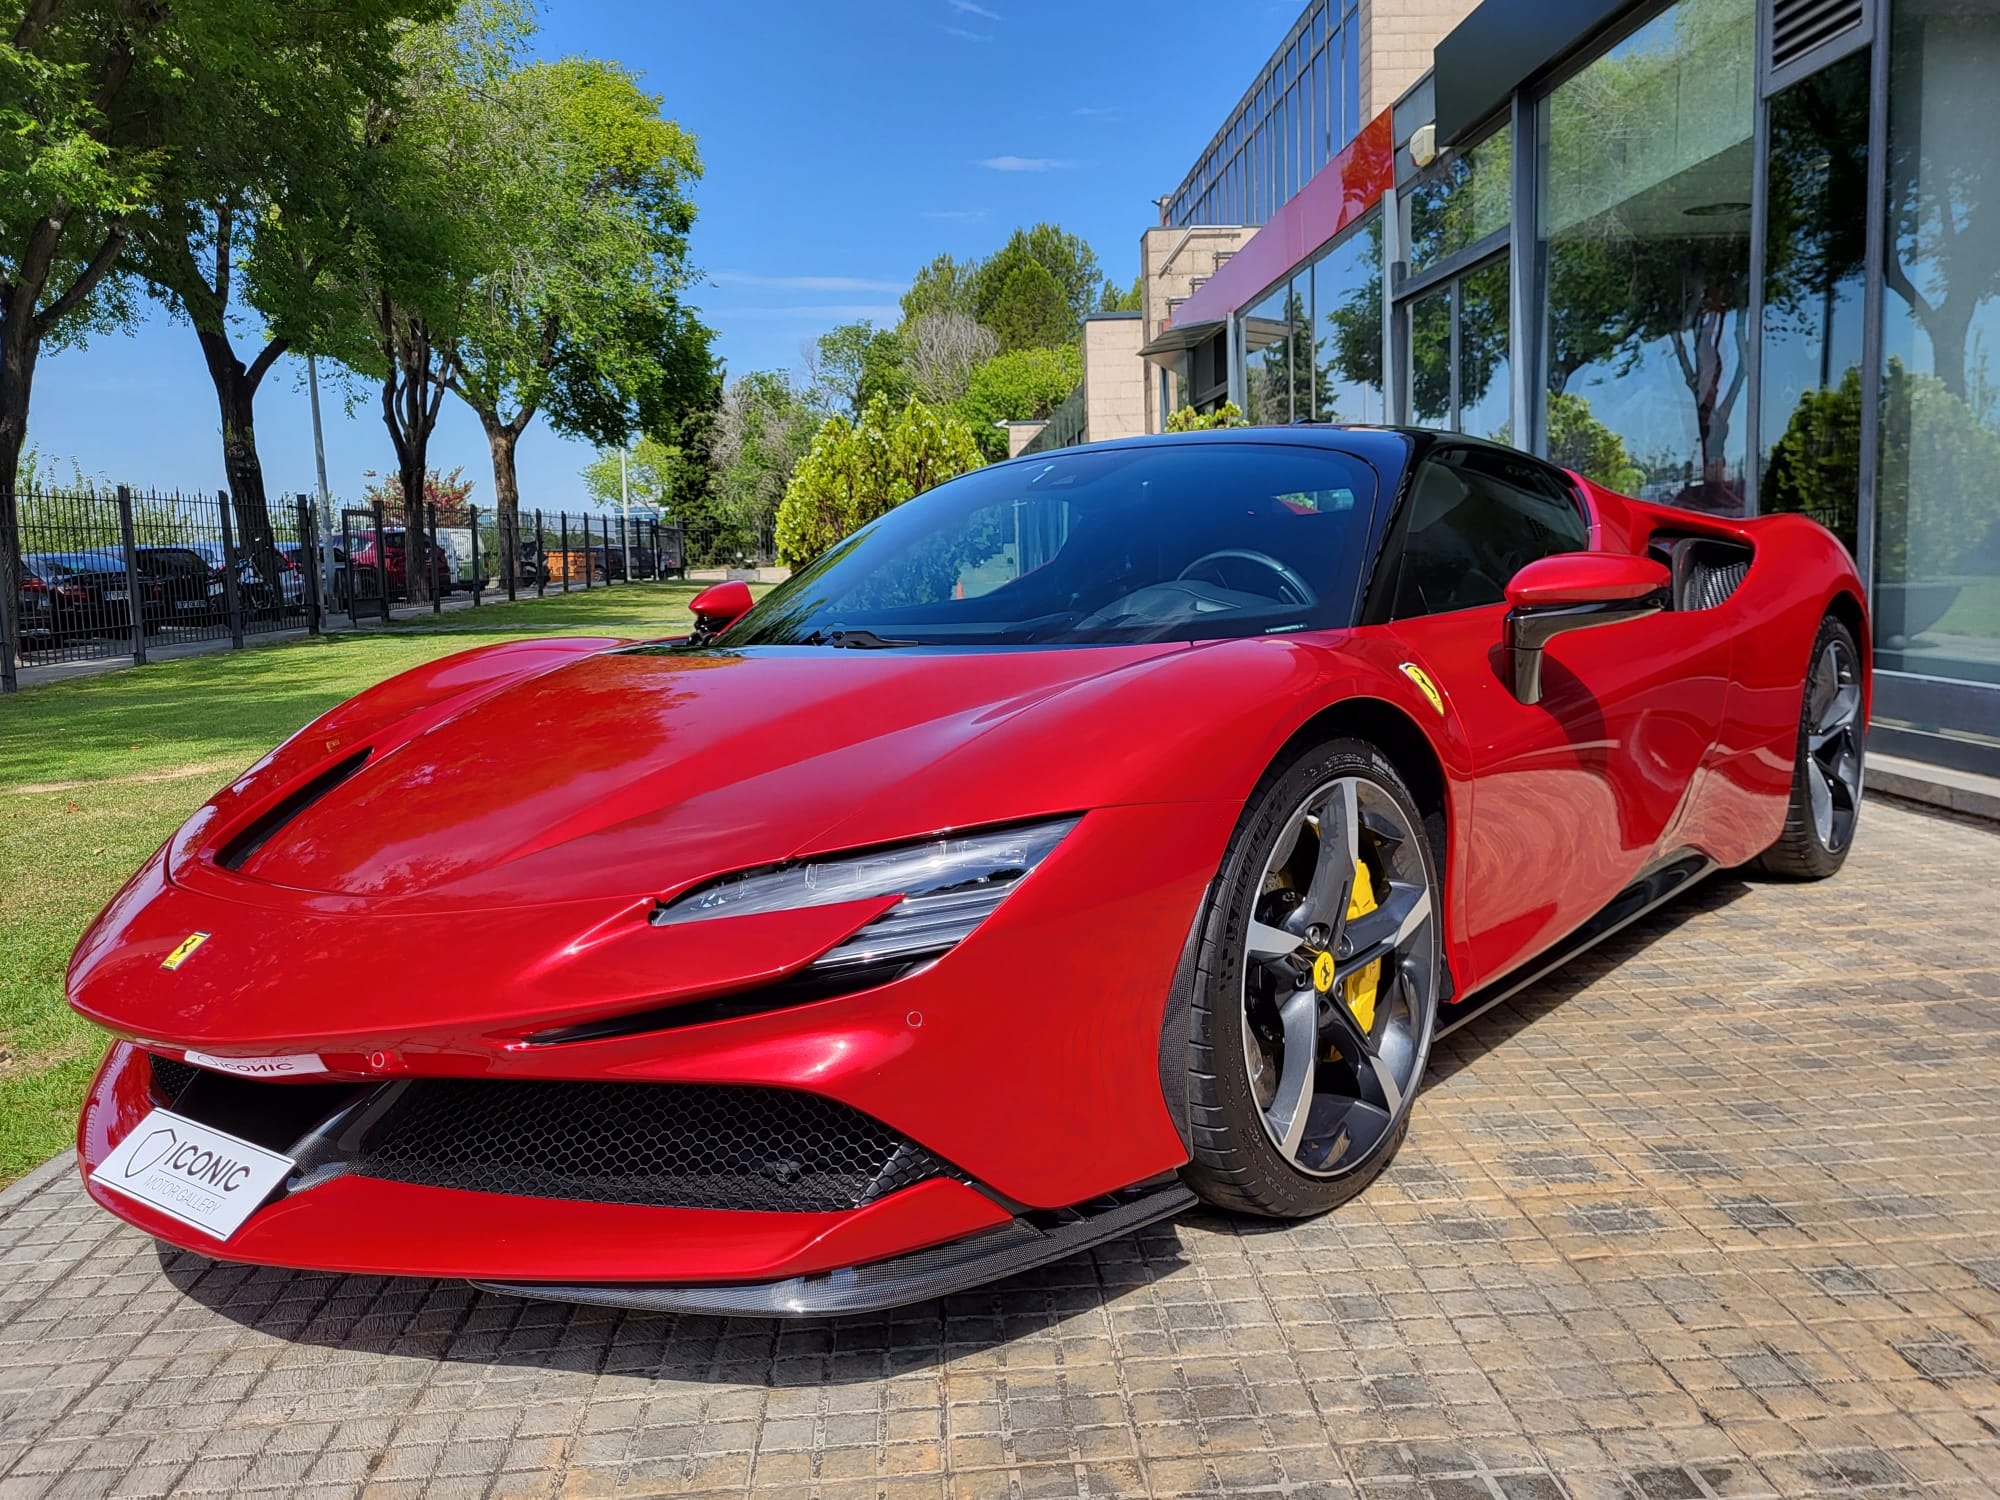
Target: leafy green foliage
x=856, y=471
x=1029, y=312
x=1187, y=419
x=1068, y=260
x=858, y=362
x=1132, y=299
x=1026, y=385
x=1578, y=441
x=941, y=287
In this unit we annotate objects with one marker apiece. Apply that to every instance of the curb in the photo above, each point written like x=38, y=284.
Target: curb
x=1965, y=798
x=21, y=1189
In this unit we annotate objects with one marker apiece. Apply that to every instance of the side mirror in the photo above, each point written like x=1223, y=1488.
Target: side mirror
x=1574, y=591
x=718, y=607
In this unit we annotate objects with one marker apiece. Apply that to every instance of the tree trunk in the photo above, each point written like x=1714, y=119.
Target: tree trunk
x=502, y=438
x=18, y=347
x=235, y=396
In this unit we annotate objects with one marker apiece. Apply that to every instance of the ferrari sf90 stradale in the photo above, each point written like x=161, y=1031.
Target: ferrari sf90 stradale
x=1096, y=832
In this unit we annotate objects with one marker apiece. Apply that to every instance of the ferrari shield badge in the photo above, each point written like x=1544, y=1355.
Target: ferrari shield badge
x=1425, y=686
x=185, y=951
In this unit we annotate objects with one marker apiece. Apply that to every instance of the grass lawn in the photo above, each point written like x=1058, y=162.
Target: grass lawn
x=96, y=772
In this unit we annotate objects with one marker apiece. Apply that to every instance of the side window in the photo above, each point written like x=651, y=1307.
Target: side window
x=1477, y=517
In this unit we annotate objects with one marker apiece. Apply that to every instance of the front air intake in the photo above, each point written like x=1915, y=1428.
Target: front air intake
x=245, y=843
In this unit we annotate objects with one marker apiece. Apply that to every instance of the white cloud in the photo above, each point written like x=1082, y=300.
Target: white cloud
x=1026, y=163
x=955, y=215
x=1098, y=111
x=966, y=36
x=968, y=8
x=807, y=283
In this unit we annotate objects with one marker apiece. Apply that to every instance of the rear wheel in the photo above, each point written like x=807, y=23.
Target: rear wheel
x=1826, y=779
x=1316, y=990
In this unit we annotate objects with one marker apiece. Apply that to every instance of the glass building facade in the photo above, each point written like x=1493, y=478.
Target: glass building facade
x=1709, y=263
x=1294, y=119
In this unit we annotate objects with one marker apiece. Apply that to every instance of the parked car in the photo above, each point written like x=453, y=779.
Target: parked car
x=468, y=572
x=69, y=594
x=193, y=573
x=394, y=561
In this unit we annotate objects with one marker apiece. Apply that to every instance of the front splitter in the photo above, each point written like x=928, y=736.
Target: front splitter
x=1018, y=1245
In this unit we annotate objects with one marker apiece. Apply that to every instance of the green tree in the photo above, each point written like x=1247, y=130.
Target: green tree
x=857, y=362
x=1578, y=441
x=756, y=439
x=581, y=317
x=447, y=494
x=1130, y=300
x=942, y=287
x=268, y=157
x=856, y=471
x=1067, y=259
x=431, y=226
x=1024, y=386
x=1029, y=312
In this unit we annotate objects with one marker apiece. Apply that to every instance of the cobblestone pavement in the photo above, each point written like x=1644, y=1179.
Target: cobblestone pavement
x=1714, y=1213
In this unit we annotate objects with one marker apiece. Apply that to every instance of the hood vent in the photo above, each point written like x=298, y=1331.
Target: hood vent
x=243, y=846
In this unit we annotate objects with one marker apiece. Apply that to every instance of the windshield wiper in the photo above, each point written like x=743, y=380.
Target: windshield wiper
x=855, y=640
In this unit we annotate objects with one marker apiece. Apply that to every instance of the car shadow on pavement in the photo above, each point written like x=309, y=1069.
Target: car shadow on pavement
x=1493, y=1029
x=450, y=1322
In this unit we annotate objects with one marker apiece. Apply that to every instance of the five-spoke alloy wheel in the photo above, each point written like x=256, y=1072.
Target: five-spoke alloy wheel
x=1826, y=781
x=1318, y=987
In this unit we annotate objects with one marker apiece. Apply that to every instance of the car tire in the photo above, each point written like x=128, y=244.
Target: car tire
x=1236, y=1109
x=1825, y=802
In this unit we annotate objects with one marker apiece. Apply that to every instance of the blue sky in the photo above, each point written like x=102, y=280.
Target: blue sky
x=846, y=142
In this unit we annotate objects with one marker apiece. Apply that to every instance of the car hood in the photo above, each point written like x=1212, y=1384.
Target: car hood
x=642, y=771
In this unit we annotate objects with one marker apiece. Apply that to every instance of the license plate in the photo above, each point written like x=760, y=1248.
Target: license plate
x=116, y=596
x=188, y=604
x=214, y=589
x=201, y=1177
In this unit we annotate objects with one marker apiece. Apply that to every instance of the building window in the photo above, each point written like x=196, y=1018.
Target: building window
x=1468, y=197
x=1278, y=366
x=1347, y=301
x=1644, y=217
x=1815, y=252
x=1937, y=533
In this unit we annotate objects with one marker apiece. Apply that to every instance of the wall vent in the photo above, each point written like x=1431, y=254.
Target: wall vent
x=1800, y=27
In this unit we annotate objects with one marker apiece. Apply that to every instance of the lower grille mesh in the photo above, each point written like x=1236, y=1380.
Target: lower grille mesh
x=170, y=1078
x=655, y=1144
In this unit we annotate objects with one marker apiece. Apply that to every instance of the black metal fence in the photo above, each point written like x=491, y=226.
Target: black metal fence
x=113, y=574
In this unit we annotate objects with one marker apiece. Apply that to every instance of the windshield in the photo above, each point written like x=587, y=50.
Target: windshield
x=1183, y=541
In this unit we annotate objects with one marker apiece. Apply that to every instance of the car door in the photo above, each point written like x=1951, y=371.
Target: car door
x=1577, y=794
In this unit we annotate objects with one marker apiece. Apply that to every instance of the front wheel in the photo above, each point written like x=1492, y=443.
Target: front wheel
x=1317, y=987
x=1826, y=778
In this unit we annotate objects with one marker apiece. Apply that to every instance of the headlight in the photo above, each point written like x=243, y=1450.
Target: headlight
x=948, y=885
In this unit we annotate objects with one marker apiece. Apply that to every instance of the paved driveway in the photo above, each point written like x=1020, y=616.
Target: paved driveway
x=1715, y=1213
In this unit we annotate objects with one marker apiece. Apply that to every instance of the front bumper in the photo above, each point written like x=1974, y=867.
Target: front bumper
x=1026, y=1059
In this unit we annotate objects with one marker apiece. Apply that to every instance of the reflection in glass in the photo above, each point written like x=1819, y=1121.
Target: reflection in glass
x=1347, y=296
x=1468, y=196
x=1815, y=245
x=1271, y=331
x=1430, y=359
x=1937, y=540
x=1485, y=401
x=1645, y=213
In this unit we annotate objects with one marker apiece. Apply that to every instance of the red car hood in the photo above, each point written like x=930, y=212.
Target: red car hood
x=633, y=773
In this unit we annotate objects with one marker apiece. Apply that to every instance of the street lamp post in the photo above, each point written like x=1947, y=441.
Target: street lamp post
x=625, y=513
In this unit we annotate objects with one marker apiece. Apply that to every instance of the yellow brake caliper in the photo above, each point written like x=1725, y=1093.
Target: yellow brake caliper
x=1360, y=987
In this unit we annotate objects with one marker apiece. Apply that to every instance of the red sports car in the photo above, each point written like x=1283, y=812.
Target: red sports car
x=1099, y=831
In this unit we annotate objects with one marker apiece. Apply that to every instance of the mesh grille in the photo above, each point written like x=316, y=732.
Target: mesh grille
x=171, y=1078
x=655, y=1144
x=1710, y=585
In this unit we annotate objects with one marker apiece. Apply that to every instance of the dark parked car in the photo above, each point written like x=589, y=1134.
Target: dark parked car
x=69, y=594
